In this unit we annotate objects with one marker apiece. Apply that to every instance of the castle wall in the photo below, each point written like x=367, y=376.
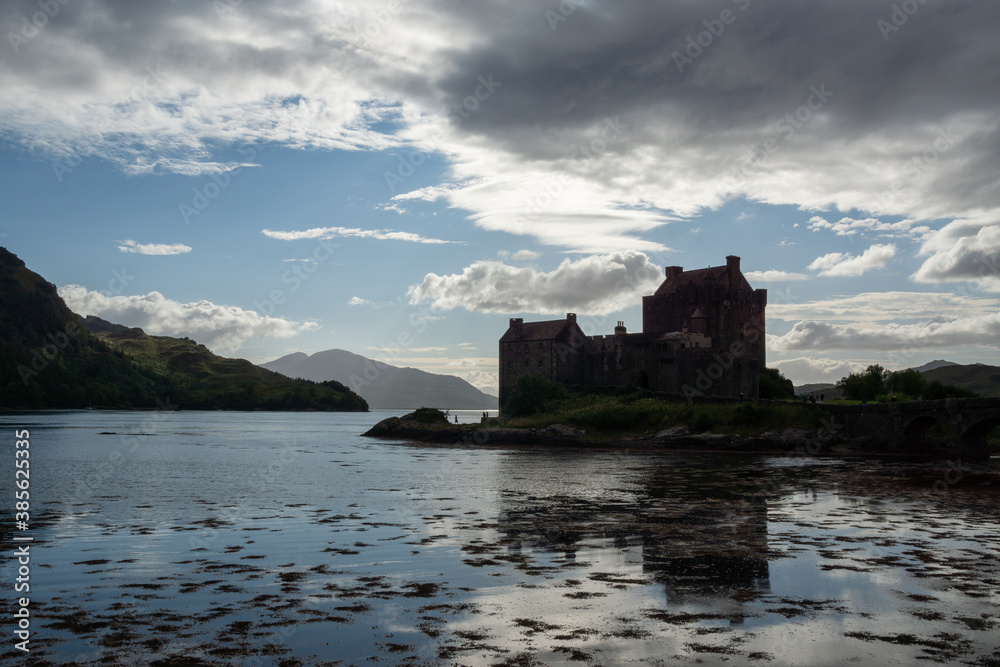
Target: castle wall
x=716, y=345
x=560, y=359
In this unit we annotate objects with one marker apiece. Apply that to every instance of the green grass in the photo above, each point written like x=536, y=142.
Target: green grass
x=610, y=414
x=199, y=379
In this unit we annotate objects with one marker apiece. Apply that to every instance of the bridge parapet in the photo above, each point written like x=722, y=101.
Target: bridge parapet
x=904, y=425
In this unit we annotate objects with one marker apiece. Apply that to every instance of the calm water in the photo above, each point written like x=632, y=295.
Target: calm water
x=276, y=538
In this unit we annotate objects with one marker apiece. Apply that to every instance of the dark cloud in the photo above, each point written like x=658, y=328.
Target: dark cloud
x=821, y=104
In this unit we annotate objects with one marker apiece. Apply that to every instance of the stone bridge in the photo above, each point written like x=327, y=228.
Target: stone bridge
x=904, y=426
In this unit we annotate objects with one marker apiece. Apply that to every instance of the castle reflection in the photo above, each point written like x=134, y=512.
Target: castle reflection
x=699, y=528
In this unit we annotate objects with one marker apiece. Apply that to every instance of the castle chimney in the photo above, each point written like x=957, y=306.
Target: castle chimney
x=673, y=271
x=620, y=329
x=733, y=263
x=515, y=324
x=571, y=317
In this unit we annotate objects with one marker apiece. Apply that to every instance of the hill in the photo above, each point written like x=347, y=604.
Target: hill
x=933, y=365
x=200, y=379
x=50, y=359
x=828, y=390
x=384, y=385
x=980, y=378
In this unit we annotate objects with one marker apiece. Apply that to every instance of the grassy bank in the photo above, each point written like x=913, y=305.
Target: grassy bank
x=636, y=412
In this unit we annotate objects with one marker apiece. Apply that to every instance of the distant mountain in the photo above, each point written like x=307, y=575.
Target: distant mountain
x=50, y=359
x=933, y=365
x=200, y=379
x=980, y=378
x=828, y=390
x=384, y=385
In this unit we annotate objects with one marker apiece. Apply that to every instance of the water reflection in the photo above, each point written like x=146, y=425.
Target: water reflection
x=699, y=530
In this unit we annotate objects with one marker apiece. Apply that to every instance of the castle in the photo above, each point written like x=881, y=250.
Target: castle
x=702, y=335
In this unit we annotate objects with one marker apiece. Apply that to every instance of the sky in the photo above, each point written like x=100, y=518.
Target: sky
x=399, y=178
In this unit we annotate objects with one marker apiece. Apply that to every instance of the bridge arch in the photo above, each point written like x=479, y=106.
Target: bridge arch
x=974, y=436
x=917, y=432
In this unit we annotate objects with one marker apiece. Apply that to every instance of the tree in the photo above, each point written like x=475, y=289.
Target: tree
x=774, y=385
x=864, y=386
x=531, y=394
x=909, y=382
x=937, y=389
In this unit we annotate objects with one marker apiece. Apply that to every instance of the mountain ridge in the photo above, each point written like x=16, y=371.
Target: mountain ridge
x=51, y=359
x=384, y=385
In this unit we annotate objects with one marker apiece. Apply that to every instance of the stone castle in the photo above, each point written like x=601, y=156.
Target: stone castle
x=702, y=335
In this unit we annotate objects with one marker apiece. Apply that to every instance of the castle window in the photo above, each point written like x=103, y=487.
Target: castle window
x=539, y=364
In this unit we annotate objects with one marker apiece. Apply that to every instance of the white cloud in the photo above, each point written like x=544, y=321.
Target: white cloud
x=874, y=307
x=809, y=370
x=772, y=276
x=220, y=328
x=520, y=255
x=354, y=232
x=964, y=250
x=487, y=382
x=842, y=264
x=982, y=330
x=597, y=284
x=357, y=301
x=850, y=226
x=571, y=151
x=153, y=248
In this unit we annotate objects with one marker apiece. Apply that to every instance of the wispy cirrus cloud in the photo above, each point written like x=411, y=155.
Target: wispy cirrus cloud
x=351, y=232
x=851, y=226
x=131, y=246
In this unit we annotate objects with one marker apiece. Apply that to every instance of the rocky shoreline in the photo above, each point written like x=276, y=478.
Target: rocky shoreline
x=790, y=440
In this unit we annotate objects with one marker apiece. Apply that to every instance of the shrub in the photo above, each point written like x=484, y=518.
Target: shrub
x=745, y=413
x=532, y=394
x=775, y=386
x=428, y=416
x=702, y=422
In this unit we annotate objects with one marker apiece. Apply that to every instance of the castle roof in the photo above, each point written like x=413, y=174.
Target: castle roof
x=722, y=275
x=528, y=331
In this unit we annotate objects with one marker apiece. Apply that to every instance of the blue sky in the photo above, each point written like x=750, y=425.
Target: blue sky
x=398, y=179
